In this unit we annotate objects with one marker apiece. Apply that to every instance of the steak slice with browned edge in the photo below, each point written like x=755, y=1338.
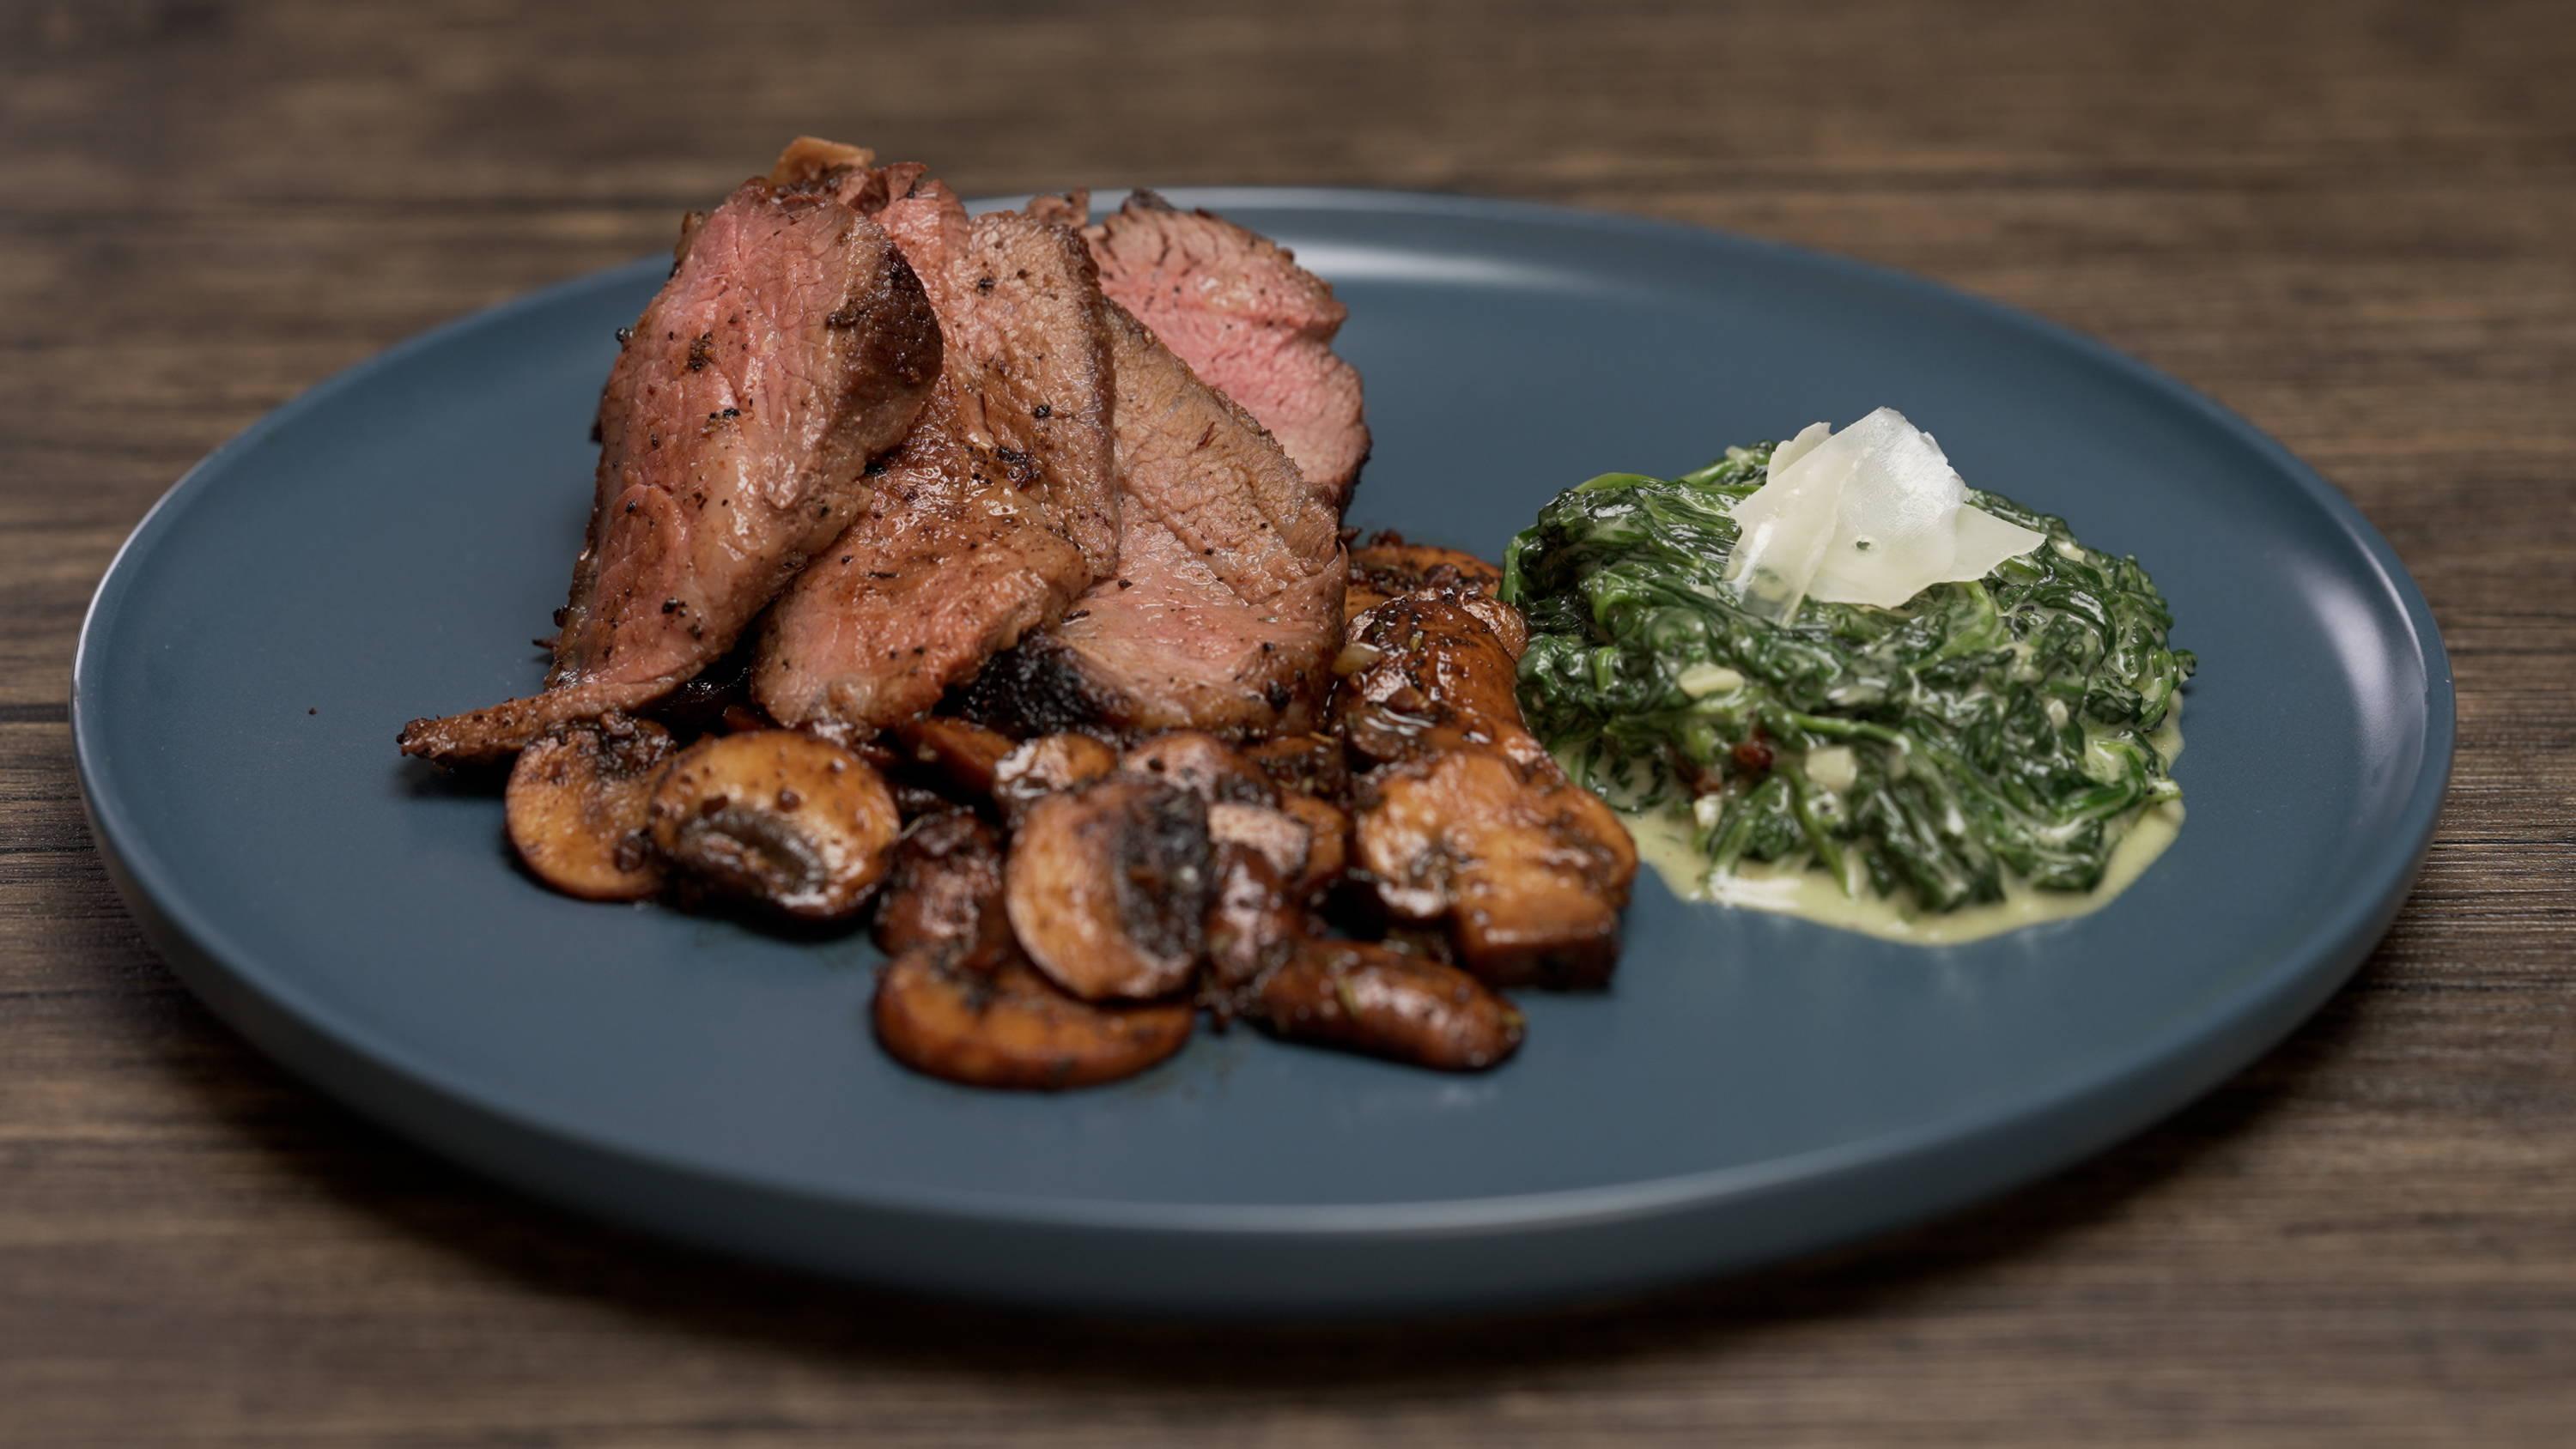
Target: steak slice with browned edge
x=1248, y=320
x=791, y=344
x=998, y=510
x=1225, y=612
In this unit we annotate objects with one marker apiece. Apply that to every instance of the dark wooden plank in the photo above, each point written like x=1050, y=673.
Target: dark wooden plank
x=2348, y=221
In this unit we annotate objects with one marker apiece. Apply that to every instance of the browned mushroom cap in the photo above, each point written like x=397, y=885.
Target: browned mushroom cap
x=1107, y=887
x=1252, y=921
x=1433, y=671
x=961, y=754
x=1529, y=874
x=1201, y=764
x=1261, y=855
x=1328, y=841
x=576, y=805
x=944, y=893
x=1045, y=765
x=1366, y=998
x=1388, y=565
x=777, y=818
x=912, y=799
x=1279, y=838
x=1014, y=1029
x=1307, y=764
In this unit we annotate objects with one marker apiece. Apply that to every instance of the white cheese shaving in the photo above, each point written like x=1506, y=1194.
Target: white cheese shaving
x=1873, y=514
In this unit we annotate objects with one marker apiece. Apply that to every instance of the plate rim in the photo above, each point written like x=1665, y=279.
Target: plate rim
x=2154, y=1076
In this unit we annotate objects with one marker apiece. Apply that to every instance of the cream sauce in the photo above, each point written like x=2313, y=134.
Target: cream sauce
x=1667, y=840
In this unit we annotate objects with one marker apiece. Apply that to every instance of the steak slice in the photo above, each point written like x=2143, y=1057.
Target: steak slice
x=924, y=217
x=1255, y=325
x=792, y=343
x=1000, y=507
x=1225, y=613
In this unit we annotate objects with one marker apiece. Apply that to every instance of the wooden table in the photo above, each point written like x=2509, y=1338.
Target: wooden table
x=2354, y=223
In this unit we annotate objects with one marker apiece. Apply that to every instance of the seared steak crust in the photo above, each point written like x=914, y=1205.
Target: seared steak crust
x=791, y=343
x=924, y=217
x=1000, y=507
x=1225, y=612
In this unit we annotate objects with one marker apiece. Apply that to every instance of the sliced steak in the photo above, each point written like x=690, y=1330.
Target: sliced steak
x=1225, y=612
x=791, y=344
x=1239, y=310
x=998, y=510
x=918, y=210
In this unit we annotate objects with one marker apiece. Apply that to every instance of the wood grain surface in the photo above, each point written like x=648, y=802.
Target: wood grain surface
x=2355, y=223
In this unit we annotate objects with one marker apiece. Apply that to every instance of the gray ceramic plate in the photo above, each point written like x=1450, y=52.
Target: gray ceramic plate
x=1752, y=1087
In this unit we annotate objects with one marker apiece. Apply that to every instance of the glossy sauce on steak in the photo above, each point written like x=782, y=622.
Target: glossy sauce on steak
x=791, y=344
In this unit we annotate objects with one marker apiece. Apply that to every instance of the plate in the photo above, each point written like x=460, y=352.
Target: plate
x=1752, y=1087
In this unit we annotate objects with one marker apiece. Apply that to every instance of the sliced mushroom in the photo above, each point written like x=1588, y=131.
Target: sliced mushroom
x=776, y=818
x=576, y=804
x=1044, y=765
x=1201, y=764
x=1388, y=565
x=1257, y=912
x=913, y=800
x=877, y=750
x=1428, y=942
x=1014, y=1029
x=1528, y=871
x=1252, y=923
x=944, y=893
x=1328, y=841
x=1107, y=887
x=1434, y=671
x=1464, y=820
x=963, y=756
x=1304, y=764
x=1368, y=999
x=1279, y=838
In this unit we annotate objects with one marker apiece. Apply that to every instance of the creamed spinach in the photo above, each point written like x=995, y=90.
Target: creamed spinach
x=1986, y=730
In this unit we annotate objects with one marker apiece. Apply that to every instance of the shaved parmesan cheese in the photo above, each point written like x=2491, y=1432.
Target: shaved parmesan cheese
x=1786, y=526
x=1873, y=514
